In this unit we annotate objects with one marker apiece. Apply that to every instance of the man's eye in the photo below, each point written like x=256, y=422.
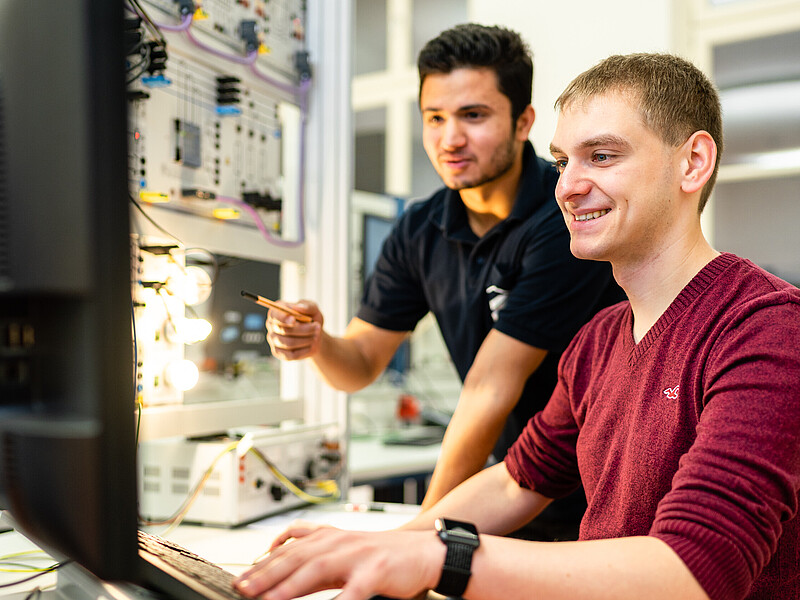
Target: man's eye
x=561, y=165
x=600, y=157
x=435, y=119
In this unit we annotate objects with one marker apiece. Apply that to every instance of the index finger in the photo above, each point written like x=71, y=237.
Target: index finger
x=295, y=530
x=303, y=318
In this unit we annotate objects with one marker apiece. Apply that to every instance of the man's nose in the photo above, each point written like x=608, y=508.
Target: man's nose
x=572, y=182
x=453, y=135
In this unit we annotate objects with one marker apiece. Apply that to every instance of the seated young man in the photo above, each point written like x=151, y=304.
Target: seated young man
x=678, y=410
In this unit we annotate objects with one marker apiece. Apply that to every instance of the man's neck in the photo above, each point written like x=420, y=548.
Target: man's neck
x=652, y=285
x=490, y=203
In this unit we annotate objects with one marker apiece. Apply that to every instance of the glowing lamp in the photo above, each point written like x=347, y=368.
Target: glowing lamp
x=191, y=331
x=192, y=285
x=182, y=374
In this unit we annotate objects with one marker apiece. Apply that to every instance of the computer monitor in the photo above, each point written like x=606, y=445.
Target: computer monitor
x=67, y=427
x=375, y=230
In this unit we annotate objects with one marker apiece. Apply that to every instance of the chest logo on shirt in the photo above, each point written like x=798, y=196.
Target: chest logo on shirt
x=497, y=300
x=672, y=393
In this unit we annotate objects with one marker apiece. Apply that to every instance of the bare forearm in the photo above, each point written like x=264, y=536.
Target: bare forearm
x=491, y=499
x=356, y=359
x=347, y=363
x=462, y=456
x=491, y=390
x=635, y=568
x=403, y=563
x=341, y=364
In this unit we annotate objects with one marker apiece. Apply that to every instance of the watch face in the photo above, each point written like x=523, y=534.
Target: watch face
x=458, y=531
x=461, y=532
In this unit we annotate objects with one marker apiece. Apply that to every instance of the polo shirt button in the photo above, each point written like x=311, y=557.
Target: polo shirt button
x=480, y=260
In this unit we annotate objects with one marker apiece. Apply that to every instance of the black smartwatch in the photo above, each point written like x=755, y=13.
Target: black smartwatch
x=461, y=540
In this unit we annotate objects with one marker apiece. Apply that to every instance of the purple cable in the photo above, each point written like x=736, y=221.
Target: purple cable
x=259, y=223
x=273, y=82
x=248, y=60
x=301, y=238
x=301, y=91
x=186, y=22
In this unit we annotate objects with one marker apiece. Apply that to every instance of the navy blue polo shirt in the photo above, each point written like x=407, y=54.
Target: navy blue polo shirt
x=519, y=278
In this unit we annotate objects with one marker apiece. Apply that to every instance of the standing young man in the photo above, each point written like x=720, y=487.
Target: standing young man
x=488, y=255
x=678, y=410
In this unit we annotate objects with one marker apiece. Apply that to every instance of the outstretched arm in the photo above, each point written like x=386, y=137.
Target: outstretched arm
x=347, y=363
x=491, y=390
x=405, y=562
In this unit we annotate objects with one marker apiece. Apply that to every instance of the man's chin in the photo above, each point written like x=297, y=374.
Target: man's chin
x=585, y=253
x=458, y=184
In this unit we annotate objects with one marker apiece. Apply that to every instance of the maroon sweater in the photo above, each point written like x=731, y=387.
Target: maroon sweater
x=692, y=435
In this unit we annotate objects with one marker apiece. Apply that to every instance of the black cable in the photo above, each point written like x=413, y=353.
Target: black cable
x=140, y=48
x=32, y=577
x=145, y=48
x=156, y=225
x=138, y=421
x=213, y=261
x=136, y=374
x=142, y=70
x=142, y=66
x=154, y=30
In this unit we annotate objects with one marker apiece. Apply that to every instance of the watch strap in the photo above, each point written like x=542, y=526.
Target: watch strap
x=456, y=569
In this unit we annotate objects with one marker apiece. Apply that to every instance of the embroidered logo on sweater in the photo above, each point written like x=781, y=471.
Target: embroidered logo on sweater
x=672, y=393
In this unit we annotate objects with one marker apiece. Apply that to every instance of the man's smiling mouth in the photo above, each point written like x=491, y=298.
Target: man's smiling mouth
x=592, y=215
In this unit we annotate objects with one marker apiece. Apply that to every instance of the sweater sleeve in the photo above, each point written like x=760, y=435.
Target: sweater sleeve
x=737, y=487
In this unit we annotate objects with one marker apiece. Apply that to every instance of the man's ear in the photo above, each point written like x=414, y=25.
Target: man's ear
x=699, y=158
x=525, y=122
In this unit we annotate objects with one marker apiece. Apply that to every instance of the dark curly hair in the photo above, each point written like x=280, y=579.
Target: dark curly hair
x=479, y=46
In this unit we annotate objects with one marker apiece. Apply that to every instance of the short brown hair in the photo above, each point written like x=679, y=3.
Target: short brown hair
x=675, y=98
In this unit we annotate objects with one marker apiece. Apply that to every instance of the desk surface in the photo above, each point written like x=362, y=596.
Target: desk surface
x=370, y=460
x=236, y=549
x=233, y=549
x=12, y=543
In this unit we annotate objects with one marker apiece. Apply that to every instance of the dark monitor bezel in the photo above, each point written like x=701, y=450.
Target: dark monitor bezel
x=67, y=430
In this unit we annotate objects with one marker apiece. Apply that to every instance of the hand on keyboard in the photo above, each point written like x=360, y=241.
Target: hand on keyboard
x=308, y=558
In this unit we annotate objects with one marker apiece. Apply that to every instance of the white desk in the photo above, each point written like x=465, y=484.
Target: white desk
x=236, y=549
x=371, y=460
x=233, y=549
x=403, y=469
x=12, y=542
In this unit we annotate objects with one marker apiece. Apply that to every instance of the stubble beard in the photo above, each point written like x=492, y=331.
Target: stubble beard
x=501, y=163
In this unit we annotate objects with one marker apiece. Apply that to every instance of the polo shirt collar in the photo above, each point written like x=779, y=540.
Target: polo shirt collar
x=453, y=218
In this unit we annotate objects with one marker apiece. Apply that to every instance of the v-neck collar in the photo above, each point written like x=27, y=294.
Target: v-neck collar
x=693, y=290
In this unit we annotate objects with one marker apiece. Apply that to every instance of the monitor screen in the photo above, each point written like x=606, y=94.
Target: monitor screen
x=238, y=334
x=375, y=231
x=67, y=428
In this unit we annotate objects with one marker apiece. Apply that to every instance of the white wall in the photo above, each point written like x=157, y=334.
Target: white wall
x=568, y=37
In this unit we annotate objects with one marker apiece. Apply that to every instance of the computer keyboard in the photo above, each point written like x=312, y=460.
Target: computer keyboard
x=185, y=574
x=417, y=436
